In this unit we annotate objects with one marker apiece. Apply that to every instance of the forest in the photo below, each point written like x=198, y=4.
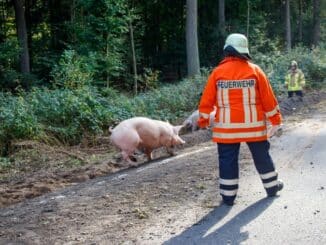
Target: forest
x=70, y=69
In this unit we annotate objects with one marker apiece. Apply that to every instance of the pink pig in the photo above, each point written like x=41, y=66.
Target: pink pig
x=144, y=134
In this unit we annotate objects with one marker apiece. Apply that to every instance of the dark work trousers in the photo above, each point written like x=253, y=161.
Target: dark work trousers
x=298, y=93
x=229, y=168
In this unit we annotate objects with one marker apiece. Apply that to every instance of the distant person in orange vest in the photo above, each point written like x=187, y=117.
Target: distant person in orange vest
x=244, y=100
x=294, y=80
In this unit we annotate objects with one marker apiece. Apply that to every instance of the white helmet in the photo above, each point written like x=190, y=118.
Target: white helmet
x=238, y=41
x=294, y=63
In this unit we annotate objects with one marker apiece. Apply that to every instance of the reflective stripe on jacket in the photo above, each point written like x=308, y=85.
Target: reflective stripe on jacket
x=295, y=81
x=244, y=99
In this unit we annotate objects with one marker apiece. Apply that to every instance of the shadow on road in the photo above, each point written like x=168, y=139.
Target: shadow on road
x=210, y=229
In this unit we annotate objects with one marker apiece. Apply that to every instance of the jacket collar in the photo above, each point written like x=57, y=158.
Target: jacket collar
x=232, y=58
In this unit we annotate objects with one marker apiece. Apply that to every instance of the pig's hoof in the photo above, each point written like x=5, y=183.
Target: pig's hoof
x=133, y=165
x=118, y=157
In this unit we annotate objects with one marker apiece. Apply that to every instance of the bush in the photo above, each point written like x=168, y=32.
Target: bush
x=73, y=71
x=9, y=53
x=66, y=115
x=171, y=101
x=148, y=80
x=17, y=121
x=311, y=62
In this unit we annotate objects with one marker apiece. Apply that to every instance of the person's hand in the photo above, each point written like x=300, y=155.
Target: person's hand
x=276, y=130
x=203, y=122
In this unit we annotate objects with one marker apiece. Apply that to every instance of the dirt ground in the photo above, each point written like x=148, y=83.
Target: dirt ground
x=37, y=168
x=40, y=169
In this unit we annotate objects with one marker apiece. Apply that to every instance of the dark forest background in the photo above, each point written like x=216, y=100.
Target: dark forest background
x=60, y=42
x=70, y=68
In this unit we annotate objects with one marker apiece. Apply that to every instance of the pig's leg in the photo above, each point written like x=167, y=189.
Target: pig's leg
x=148, y=152
x=125, y=156
x=170, y=150
x=131, y=160
x=129, y=147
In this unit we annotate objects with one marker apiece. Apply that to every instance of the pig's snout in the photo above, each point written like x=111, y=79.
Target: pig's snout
x=176, y=140
x=187, y=124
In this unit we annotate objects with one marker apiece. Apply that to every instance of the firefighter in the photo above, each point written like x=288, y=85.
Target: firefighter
x=244, y=100
x=294, y=80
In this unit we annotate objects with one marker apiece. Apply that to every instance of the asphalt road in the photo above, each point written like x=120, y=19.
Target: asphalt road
x=296, y=216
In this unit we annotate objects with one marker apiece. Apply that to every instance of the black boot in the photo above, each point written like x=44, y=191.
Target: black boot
x=271, y=192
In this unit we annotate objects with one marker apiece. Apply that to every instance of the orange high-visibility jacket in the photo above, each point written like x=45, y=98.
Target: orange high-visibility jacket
x=244, y=99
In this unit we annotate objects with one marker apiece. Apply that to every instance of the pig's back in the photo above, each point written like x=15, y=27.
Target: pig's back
x=136, y=123
x=153, y=133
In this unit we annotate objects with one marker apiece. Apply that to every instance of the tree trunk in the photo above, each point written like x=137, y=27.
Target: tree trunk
x=316, y=23
x=248, y=17
x=54, y=19
x=134, y=62
x=22, y=35
x=300, y=22
x=73, y=18
x=287, y=25
x=221, y=26
x=192, y=39
x=221, y=15
x=2, y=22
x=107, y=57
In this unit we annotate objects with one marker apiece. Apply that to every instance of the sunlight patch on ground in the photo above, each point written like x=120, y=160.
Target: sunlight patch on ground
x=183, y=155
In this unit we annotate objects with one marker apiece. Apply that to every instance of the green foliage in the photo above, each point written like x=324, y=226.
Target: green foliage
x=17, y=121
x=9, y=51
x=4, y=164
x=9, y=77
x=258, y=39
x=316, y=67
x=73, y=71
x=171, y=101
x=66, y=115
x=99, y=29
x=311, y=62
x=149, y=79
x=88, y=42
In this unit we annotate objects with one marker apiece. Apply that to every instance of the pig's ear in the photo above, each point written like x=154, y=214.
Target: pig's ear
x=176, y=129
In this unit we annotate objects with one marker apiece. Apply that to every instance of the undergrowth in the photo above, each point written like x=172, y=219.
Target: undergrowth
x=67, y=115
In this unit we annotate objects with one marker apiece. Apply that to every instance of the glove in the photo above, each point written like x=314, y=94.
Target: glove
x=276, y=130
x=202, y=122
